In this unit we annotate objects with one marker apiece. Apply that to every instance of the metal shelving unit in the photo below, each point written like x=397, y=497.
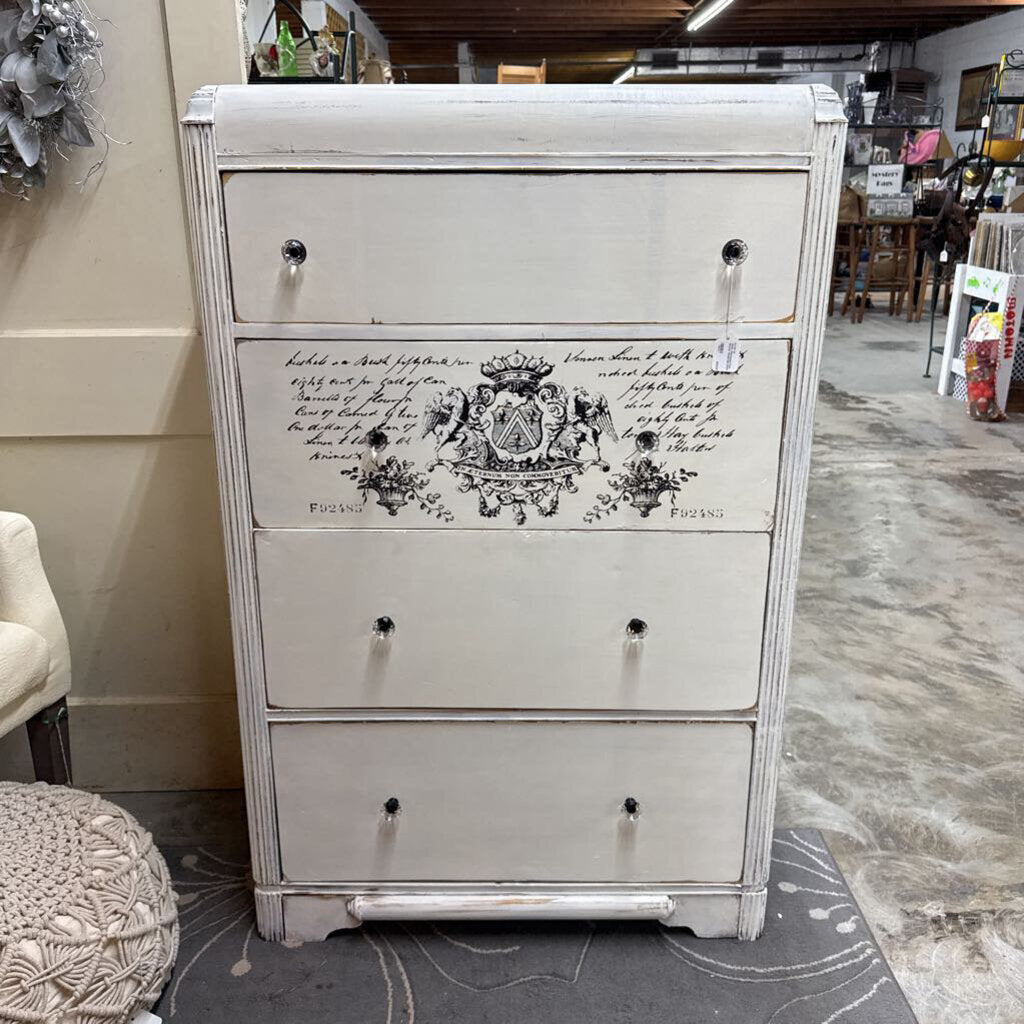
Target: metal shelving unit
x=342, y=63
x=930, y=120
x=1012, y=61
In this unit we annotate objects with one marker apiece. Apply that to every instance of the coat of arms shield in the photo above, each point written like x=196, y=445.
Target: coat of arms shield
x=517, y=426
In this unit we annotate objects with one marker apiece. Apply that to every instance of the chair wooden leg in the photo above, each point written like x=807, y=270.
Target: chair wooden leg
x=926, y=277
x=850, y=298
x=911, y=271
x=851, y=262
x=50, y=742
x=869, y=273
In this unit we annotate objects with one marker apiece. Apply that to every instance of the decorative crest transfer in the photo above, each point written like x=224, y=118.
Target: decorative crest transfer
x=519, y=439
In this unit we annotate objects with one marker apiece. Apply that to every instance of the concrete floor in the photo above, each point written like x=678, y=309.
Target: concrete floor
x=905, y=713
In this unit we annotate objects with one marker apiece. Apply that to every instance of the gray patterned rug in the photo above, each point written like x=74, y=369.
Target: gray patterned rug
x=817, y=963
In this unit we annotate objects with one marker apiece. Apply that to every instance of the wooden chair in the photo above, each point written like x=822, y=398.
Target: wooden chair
x=522, y=74
x=35, y=663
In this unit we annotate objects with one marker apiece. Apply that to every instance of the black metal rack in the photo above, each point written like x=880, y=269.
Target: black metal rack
x=1012, y=61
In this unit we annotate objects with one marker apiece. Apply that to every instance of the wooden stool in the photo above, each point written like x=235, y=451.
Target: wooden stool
x=905, y=290
x=928, y=277
x=897, y=247
x=847, y=248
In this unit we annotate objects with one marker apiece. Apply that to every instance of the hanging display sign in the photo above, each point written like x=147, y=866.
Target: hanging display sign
x=890, y=207
x=990, y=366
x=885, y=179
x=1011, y=83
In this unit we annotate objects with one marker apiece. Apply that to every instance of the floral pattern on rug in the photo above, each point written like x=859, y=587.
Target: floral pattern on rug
x=815, y=964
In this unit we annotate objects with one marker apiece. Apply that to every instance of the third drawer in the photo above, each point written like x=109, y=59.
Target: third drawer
x=487, y=619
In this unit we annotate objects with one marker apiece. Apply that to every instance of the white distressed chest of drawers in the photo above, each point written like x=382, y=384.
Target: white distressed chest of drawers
x=511, y=555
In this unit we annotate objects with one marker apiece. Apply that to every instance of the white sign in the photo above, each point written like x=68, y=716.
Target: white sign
x=890, y=207
x=885, y=179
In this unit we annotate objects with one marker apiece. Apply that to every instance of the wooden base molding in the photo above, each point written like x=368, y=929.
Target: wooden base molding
x=310, y=916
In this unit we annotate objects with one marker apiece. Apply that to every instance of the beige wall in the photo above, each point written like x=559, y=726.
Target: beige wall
x=104, y=425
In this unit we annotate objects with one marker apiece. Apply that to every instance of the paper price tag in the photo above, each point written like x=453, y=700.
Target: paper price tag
x=145, y=1017
x=727, y=355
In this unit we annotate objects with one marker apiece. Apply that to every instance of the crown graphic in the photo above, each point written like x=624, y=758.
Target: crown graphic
x=516, y=370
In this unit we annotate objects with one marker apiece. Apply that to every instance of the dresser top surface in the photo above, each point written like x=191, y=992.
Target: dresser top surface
x=282, y=122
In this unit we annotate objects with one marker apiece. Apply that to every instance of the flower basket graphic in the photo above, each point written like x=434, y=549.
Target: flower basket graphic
x=642, y=486
x=396, y=483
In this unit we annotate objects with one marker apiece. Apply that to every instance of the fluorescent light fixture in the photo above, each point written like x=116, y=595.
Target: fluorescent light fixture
x=626, y=75
x=704, y=13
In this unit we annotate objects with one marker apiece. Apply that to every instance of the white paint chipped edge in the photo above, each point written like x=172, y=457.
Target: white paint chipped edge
x=513, y=906
x=812, y=296
x=709, y=913
x=206, y=219
x=549, y=121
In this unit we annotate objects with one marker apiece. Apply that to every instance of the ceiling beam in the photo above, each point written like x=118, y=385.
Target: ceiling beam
x=969, y=6
x=450, y=9
x=511, y=28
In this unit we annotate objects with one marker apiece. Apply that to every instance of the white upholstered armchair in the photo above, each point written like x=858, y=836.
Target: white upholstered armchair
x=35, y=663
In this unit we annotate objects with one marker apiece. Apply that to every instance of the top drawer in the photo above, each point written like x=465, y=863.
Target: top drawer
x=522, y=248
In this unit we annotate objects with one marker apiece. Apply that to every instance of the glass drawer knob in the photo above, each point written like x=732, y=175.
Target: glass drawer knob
x=293, y=252
x=383, y=627
x=636, y=629
x=631, y=806
x=377, y=439
x=392, y=806
x=734, y=252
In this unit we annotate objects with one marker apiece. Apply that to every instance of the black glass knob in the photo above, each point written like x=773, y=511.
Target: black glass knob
x=631, y=806
x=293, y=252
x=392, y=806
x=377, y=439
x=734, y=252
x=646, y=441
x=636, y=629
x=383, y=627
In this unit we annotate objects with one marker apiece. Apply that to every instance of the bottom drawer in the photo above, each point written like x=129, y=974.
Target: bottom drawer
x=512, y=801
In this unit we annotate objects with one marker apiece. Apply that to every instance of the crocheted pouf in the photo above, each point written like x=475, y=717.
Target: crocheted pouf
x=88, y=921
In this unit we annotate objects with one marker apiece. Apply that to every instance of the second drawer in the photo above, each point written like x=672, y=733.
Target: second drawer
x=488, y=619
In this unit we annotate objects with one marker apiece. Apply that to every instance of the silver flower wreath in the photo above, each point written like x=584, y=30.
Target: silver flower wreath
x=49, y=55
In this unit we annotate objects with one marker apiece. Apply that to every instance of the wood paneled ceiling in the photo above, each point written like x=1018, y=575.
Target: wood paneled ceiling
x=517, y=30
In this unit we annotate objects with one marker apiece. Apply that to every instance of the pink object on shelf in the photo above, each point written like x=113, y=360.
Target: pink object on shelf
x=921, y=148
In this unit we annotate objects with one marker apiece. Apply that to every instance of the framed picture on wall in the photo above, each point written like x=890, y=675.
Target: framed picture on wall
x=1006, y=122
x=975, y=84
